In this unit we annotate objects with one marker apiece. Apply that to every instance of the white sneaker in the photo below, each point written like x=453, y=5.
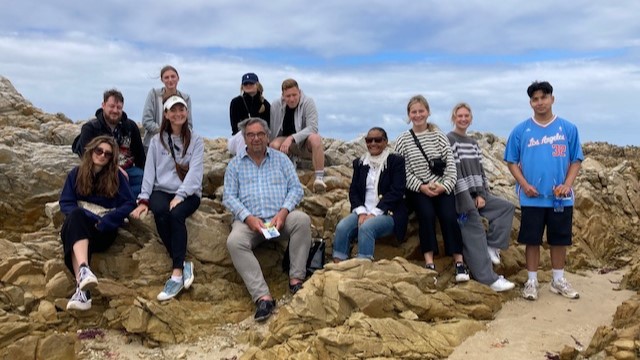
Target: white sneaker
x=502, y=284
x=87, y=280
x=564, y=288
x=494, y=255
x=81, y=300
x=187, y=274
x=530, y=291
x=319, y=186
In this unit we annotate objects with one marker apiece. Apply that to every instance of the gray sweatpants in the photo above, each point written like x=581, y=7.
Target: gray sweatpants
x=475, y=240
x=242, y=241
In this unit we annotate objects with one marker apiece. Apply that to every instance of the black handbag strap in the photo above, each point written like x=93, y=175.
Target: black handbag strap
x=415, y=138
x=171, y=146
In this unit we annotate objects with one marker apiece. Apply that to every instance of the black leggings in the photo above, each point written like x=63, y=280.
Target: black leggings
x=444, y=207
x=79, y=226
x=171, y=224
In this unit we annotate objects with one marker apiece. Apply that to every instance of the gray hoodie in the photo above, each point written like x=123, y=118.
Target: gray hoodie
x=160, y=169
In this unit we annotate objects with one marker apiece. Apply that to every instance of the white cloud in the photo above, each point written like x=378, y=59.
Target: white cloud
x=360, y=61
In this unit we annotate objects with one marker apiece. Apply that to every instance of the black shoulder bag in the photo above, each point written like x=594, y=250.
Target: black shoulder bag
x=437, y=165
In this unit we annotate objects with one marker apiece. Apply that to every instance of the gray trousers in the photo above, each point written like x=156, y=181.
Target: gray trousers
x=242, y=241
x=475, y=239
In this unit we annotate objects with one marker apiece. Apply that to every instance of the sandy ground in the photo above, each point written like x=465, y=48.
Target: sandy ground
x=526, y=329
x=521, y=330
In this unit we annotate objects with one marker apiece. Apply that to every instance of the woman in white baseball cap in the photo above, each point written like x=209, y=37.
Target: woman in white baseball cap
x=172, y=188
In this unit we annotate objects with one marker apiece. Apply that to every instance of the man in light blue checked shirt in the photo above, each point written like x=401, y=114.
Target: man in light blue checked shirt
x=262, y=189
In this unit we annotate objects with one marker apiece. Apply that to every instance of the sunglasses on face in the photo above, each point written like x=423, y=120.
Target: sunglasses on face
x=98, y=151
x=376, y=140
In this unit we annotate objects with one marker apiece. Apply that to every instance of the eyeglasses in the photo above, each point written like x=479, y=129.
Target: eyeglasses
x=259, y=135
x=376, y=140
x=98, y=151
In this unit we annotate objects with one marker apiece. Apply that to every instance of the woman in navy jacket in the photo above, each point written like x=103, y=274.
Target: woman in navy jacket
x=96, y=181
x=377, y=199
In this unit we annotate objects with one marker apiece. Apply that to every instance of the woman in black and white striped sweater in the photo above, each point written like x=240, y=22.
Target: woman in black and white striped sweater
x=431, y=178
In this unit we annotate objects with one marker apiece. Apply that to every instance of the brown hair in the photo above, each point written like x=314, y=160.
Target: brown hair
x=113, y=92
x=419, y=99
x=288, y=84
x=185, y=132
x=105, y=182
x=164, y=69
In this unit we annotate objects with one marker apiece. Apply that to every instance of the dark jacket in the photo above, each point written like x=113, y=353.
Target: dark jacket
x=122, y=204
x=126, y=134
x=238, y=111
x=391, y=189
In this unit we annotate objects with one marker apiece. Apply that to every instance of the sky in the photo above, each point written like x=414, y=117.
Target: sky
x=360, y=61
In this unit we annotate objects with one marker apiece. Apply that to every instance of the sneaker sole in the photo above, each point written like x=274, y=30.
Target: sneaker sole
x=79, y=307
x=464, y=278
x=167, y=297
x=553, y=290
x=88, y=284
x=507, y=288
x=189, y=281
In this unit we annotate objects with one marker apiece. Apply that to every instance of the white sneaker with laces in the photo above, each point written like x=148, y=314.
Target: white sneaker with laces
x=530, y=291
x=502, y=284
x=494, y=255
x=81, y=300
x=564, y=288
x=87, y=279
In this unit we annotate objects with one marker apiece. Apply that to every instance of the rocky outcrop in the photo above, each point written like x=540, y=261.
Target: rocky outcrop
x=391, y=308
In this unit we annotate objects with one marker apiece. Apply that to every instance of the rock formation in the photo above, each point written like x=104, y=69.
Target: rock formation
x=392, y=308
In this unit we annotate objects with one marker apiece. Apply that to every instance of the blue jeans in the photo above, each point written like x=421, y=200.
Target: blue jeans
x=347, y=229
x=135, y=180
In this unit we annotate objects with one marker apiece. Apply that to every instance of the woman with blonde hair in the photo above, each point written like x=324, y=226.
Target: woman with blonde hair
x=153, y=112
x=98, y=181
x=431, y=177
x=250, y=103
x=475, y=201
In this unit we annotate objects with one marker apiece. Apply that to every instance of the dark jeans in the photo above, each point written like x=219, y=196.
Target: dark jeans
x=444, y=207
x=171, y=224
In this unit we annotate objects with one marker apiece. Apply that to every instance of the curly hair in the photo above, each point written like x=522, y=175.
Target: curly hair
x=105, y=182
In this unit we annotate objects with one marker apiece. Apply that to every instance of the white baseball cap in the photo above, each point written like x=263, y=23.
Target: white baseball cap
x=168, y=104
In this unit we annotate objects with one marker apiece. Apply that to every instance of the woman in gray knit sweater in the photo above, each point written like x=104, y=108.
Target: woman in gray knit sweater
x=474, y=201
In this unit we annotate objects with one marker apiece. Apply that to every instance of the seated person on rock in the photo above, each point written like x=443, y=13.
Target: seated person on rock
x=377, y=199
x=294, y=128
x=111, y=120
x=474, y=201
x=172, y=188
x=97, y=181
x=262, y=190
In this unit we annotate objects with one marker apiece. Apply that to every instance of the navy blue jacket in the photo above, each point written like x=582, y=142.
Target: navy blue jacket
x=391, y=189
x=122, y=204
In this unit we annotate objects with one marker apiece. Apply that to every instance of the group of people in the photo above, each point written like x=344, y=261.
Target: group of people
x=436, y=175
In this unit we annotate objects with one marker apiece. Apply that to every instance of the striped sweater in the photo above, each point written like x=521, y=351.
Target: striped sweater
x=471, y=177
x=436, y=145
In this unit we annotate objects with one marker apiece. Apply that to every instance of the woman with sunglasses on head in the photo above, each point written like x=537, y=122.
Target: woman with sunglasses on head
x=377, y=199
x=474, y=201
x=431, y=177
x=153, y=112
x=250, y=103
x=172, y=188
x=98, y=181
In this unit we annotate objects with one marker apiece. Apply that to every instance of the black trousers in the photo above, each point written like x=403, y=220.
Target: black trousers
x=427, y=209
x=171, y=225
x=78, y=226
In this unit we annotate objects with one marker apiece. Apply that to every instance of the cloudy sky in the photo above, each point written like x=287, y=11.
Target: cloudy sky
x=360, y=60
